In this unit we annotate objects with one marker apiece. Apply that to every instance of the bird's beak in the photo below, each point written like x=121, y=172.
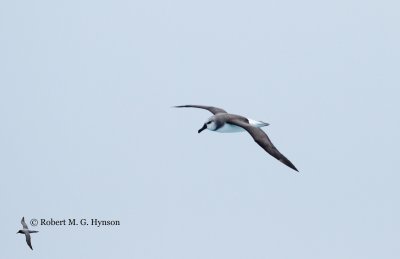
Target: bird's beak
x=202, y=128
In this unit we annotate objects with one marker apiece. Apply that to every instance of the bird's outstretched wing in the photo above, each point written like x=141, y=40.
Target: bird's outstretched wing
x=28, y=240
x=23, y=223
x=213, y=110
x=261, y=138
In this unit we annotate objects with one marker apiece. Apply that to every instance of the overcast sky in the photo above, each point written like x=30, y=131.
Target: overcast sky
x=87, y=129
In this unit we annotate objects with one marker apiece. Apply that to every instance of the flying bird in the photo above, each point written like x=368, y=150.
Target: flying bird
x=27, y=232
x=224, y=122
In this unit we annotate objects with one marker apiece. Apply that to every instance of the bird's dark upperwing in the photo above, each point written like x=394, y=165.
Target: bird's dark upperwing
x=261, y=138
x=23, y=223
x=28, y=240
x=213, y=110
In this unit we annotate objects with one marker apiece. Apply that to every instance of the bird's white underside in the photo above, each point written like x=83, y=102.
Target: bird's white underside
x=229, y=128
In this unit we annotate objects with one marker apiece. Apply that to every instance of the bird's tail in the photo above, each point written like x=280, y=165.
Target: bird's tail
x=257, y=124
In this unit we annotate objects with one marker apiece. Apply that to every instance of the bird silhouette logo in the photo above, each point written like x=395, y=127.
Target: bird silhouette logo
x=26, y=232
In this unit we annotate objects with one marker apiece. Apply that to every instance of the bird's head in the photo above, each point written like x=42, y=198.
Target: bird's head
x=20, y=232
x=209, y=124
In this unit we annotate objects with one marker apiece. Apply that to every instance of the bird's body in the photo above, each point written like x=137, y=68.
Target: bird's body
x=224, y=122
x=220, y=123
x=228, y=128
x=26, y=232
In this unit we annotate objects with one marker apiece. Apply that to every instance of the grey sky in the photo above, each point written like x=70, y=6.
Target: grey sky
x=87, y=130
